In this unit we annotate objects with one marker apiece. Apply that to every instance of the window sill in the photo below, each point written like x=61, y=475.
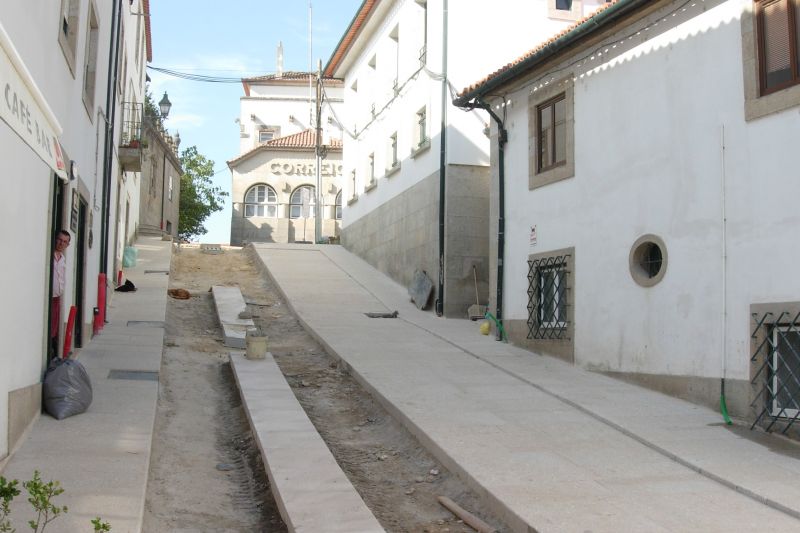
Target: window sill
x=423, y=147
x=392, y=171
x=371, y=185
x=352, y=200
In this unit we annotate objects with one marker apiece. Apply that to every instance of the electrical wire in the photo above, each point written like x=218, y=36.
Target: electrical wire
x=195, y=77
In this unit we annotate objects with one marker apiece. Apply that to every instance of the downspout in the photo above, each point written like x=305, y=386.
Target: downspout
x=111, y=104
x=723, y=406
x=502, y=137
x=442, y=165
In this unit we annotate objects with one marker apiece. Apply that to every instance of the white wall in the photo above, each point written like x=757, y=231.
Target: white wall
x=288, y=107
x=393, y=36
x=25, y=211
x=648, y=153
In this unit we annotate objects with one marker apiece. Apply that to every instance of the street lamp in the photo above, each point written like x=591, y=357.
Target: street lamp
x=164, y=105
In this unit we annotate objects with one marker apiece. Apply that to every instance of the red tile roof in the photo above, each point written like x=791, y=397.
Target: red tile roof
x=287, y=78
x=147, y=37
x=497, y=73
x=298, y=142
x=350, y=35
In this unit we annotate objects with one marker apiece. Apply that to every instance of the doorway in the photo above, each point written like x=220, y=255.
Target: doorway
x=56, y=224
x=80, y=270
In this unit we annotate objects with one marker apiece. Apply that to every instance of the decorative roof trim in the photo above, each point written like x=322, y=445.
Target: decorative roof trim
x=147, y=35
x=305, y=141
x=360, y=18
x=570, y=36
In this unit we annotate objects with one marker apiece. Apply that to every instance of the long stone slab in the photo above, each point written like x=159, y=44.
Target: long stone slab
x=312, y=492
x=230, y=303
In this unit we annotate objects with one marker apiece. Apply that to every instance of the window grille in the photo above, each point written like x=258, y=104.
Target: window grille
x=548, y=286
x=776, y=375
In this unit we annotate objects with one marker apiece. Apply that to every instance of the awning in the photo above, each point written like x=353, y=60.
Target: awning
x=24, y=109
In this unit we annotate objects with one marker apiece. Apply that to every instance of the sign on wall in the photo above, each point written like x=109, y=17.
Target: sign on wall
x=22, y=110
x=299, y=168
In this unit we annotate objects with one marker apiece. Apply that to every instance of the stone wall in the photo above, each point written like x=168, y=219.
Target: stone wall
x=402, y=235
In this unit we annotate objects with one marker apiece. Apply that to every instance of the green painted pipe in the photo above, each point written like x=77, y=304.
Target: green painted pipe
x=498, y=325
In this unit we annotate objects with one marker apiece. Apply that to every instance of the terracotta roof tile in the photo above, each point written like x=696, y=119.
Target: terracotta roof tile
x=147, y=35
x=305, y=140
x=289, y=76
x=350, y=35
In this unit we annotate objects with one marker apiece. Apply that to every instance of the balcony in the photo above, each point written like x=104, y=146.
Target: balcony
x=130, y=141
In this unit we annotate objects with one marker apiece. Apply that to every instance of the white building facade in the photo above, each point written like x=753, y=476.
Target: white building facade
x=650, y=175
x=274, y=188
x=71, y=73
x=416, y=170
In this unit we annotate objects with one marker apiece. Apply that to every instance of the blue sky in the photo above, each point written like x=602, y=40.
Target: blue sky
x=238, y=38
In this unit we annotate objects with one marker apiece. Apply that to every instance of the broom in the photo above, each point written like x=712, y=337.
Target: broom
x=476, y=310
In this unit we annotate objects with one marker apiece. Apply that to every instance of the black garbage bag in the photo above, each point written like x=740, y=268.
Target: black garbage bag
x=67, y=389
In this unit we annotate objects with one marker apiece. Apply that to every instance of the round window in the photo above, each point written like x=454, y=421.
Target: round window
x=648, y=260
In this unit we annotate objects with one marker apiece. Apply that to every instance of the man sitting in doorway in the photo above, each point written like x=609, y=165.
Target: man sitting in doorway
x=63, y=239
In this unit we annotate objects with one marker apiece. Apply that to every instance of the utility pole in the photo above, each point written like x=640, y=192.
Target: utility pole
x=319, y=154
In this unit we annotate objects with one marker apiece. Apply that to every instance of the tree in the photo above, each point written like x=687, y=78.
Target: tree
x=199, y=196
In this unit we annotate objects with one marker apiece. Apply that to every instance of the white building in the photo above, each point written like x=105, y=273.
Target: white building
x=65, y=85
x=274, y=191
x=416, y=169
x=274, y=179
x=650, y=198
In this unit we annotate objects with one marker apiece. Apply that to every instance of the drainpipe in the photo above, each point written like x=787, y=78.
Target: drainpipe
x=111, y=104
x=502, y=137
x=442, y=165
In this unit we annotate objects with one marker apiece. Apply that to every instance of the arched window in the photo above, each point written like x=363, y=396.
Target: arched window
x=339, y=205
x=302, y=194
x=261, y=201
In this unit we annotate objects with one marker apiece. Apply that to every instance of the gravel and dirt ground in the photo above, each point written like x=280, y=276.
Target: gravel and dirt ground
x=206, y=474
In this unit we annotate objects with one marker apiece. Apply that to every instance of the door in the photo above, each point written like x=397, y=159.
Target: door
x=80, y=270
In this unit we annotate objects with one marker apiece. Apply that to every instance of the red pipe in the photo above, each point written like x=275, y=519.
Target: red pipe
x=100, y=314
x=68, y=333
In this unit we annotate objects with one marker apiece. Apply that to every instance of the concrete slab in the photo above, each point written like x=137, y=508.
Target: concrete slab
x=230, y=303
x=101, y=457
x=312, y=492
x=550, y=446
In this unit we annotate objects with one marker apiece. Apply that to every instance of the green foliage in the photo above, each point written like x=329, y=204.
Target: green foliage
x=151, y=110
x=100, y=526
x=8, y=490
x=40, y=496
x=199, y=196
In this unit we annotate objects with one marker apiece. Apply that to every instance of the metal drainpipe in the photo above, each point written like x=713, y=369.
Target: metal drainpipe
x=111, y=101
x=442, y=166
x=502, y=137
x=108, y=151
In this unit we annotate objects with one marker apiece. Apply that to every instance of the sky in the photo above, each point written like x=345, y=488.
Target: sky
x=236, y=39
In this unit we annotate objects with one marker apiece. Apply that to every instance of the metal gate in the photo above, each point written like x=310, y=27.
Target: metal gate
x=776, y=369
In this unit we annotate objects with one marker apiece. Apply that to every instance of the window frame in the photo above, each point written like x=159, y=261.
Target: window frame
x=69, y=18
x=555, y=337
x=338, y=206
x=92, y=46
x=549, y=134
x=793, y=31
x=540, y=177
x=312, y=211
x=261, y=209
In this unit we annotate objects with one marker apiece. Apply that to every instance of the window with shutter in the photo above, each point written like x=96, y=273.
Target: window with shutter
x=778, y=44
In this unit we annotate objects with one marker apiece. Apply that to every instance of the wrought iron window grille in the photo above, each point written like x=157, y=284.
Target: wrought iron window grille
x=548, y=302
x=776, y=375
